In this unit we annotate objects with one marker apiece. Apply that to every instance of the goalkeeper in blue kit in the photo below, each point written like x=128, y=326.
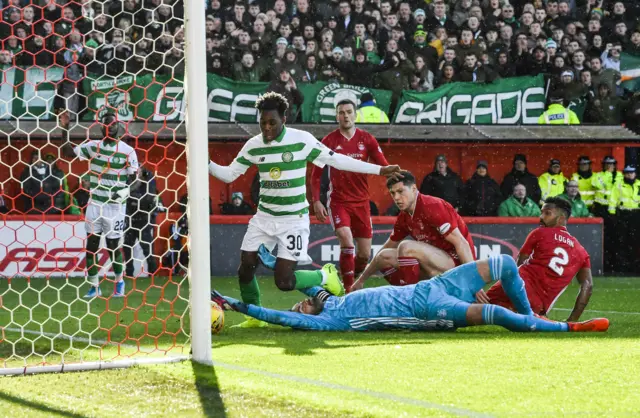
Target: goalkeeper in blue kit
x=445, y=302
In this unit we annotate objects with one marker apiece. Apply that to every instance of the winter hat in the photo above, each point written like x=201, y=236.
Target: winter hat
x=520, y=157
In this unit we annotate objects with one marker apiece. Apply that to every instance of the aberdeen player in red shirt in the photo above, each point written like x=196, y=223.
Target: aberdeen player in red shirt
x=549, y=259
x=348, y=197
x=442, y=239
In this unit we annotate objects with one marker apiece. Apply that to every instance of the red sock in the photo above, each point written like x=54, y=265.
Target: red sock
x=347, y=266
x=410, y=269
x=361, y=264
x=392, y=276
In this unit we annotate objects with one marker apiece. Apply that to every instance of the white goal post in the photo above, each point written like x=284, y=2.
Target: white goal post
x=45, y=323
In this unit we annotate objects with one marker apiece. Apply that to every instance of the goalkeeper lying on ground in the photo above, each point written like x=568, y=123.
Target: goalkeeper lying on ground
x=444, y=302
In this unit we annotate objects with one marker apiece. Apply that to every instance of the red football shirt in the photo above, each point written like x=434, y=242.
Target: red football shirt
x=347, y=187
x=432, y=221
x=555, y=257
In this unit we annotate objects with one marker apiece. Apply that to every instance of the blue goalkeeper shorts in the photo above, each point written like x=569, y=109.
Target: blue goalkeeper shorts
x=449, y=295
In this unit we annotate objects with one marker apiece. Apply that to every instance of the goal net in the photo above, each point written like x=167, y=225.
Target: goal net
x=95, y=178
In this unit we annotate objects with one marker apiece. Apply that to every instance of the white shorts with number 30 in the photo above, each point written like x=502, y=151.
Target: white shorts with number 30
x=105, y=219
x=291, y=237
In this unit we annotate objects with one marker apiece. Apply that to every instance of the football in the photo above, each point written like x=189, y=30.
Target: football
x=217, y=318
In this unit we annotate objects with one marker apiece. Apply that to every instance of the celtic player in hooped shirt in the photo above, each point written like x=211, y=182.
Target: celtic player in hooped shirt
x=281, y=155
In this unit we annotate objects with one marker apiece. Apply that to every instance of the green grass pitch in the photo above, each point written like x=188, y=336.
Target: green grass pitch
x=276, y=372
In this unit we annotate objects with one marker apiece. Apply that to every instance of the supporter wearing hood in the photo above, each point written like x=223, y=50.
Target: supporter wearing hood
x=520, y=175
x=444, y=183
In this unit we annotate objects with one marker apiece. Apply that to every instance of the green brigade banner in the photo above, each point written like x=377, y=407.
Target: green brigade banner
x=162, y=98
x=320, y=100
x=519, y=100
x=28, y=93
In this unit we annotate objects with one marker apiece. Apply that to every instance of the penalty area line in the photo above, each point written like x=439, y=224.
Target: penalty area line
x=598, y=312
x=290, y=378
x=366, y=392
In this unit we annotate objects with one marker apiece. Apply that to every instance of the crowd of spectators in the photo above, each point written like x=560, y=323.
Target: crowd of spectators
x=394, y=45
x=418, y=45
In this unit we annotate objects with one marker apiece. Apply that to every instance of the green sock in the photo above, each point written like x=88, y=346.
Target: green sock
x=307, y=278
x=92, y=268
x=117, y=263
x=250, y=292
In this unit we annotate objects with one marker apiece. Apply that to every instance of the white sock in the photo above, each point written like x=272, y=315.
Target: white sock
x=119, y=279
x=95, y=282
x=324, y=277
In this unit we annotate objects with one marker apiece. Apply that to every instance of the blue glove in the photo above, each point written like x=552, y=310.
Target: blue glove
x=229, y=304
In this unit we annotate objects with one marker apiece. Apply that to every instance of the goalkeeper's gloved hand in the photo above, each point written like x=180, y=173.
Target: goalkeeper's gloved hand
x=121, y=195
x=228, y=304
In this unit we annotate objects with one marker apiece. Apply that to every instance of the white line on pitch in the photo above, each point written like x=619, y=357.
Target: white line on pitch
x=370, y=393
x=366, y=392
x=599, y=312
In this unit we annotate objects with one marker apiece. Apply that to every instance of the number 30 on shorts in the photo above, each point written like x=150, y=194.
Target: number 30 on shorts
x=295, y=242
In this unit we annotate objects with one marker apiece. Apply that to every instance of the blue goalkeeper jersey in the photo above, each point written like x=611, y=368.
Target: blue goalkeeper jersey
x=386, y=307
x=437, y=304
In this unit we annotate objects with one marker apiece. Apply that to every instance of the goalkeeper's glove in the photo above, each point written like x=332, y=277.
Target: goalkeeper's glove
x=121, y=195
x=229, y=304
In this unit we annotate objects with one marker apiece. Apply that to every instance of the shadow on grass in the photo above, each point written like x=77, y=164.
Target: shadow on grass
x=39, y=407
x=304, y=343
x=208, y=390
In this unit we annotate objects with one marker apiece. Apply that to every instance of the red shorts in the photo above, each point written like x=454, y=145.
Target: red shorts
x=357, y=217
x=498, y=297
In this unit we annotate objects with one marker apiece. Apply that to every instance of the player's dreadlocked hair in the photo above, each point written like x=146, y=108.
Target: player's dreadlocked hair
x=272, y=101
x=560, y=203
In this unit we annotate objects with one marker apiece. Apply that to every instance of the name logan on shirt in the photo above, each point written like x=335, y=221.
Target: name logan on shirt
x=564, y=240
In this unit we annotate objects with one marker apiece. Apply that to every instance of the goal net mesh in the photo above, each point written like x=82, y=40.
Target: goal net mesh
x=79, y=60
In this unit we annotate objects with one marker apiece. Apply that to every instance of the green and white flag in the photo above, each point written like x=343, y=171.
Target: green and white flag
x=320, y=99
x=630, y=71
x=28, y=93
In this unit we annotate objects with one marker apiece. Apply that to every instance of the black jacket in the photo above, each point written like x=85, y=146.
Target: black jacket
x=521, y=177
x=143, y=200
x=42, y=192
x=449, y=187
x=481, y=196
x=231, y=209
x=361, y=74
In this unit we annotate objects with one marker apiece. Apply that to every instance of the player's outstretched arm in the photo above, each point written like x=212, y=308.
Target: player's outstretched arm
x=238, y=167
x=228, y=173
x=373, y=266
x=586, y=287
x=320, y=155
x=461, y=245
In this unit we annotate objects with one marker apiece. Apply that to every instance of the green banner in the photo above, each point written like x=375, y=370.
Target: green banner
x=505, y=101
x=320, y=99
x=162, y=98
x=28, y=93
x=141, y=98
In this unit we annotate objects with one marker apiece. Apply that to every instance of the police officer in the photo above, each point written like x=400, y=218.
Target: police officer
x=368, y=112
x=624, y=203
x=557, y=114
x=603, y=183
x=141, y=215
x=552, y=182
x=583, y=177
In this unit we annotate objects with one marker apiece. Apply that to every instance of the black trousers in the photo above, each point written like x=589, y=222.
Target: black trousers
x=628, y=235
x=142, y=232
x=609, y=239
